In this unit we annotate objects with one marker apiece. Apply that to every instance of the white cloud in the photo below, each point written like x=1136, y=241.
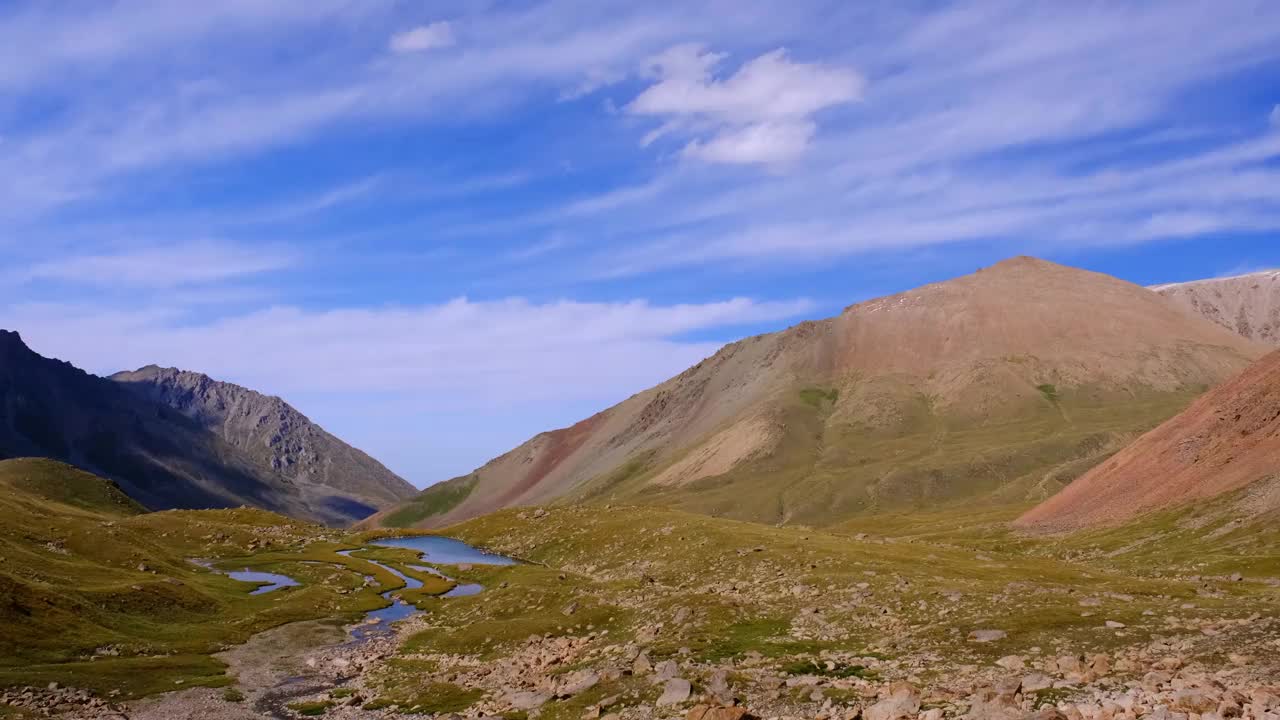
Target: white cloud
x=424, y=37
x=457, y=354
x=759, y=114
x=1275, y=116
x=158, y=267
x=769, y=87
x=760, y=143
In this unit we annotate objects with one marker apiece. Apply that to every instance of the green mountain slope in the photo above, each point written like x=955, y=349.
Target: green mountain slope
x=96, y=593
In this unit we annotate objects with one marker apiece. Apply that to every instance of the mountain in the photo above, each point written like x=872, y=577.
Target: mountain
x=275, y=435
x=156, y=454
x=1247, y=304
x=1001, y=386
x=1227, y=440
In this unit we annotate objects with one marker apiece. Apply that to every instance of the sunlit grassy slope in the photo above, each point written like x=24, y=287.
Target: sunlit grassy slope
x=94, y=593
x=823, y=472
x=748, y=584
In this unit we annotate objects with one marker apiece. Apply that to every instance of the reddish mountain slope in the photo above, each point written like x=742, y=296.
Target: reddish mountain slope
x=1226, y=440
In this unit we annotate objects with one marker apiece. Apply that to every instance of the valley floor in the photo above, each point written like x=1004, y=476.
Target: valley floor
x=640, y=613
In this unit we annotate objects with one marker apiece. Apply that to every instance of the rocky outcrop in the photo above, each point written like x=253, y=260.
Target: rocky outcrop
x=274, y=435
x=1248, y=305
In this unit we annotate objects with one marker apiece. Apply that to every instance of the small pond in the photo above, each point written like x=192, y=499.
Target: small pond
x=274, y=581
x=440, y=550
x=445, y=551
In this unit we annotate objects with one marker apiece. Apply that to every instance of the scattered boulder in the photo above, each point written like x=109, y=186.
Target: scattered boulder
x=577, y=682
x=665, y=670
x=527, y=699
x=984, y=636
x=1036, y=682
x=902, y=703
x=1013, y=663
x=675, y=692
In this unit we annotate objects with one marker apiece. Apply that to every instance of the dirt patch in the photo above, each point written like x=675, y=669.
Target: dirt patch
x=721, y=453
x=269, y=669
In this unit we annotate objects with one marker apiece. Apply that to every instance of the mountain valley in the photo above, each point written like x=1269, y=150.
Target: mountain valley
x=941, y=504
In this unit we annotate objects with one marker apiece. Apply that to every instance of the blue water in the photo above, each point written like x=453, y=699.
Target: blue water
x=445, y=551
x=274, y=581
x=463, y=590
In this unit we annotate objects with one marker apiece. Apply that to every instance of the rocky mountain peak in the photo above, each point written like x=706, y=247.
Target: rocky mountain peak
x=272, y=432
x=11, y=342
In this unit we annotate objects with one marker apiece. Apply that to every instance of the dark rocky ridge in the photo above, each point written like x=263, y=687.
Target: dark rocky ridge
x=273, y=434
x=158, y=455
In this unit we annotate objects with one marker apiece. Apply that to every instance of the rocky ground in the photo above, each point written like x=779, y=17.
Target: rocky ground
x=645, y=615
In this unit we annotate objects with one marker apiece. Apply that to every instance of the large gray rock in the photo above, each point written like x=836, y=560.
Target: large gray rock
x=527, y=699
x=676, y=691
x=903, y=703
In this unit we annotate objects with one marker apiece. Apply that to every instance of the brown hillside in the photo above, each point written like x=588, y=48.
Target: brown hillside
x=1227, y=439
x=1004, y=385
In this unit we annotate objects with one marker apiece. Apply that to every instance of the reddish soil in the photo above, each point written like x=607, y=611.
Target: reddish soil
x=1226, y=440
x=562, y=444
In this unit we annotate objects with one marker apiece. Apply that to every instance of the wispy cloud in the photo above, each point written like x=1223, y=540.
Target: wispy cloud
x=452, y=354
x=438, y=34
x=156, y=267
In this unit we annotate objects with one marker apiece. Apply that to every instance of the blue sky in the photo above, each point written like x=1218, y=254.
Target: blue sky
x=439, y=228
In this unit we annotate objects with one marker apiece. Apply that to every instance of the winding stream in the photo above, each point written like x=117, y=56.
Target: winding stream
x=430, y=548
x=273, y=699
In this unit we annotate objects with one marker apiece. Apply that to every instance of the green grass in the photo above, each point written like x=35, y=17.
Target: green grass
x=95, y=594
x=819, y=397
x=660, y=562
x=435, y=500
x=133, y=677
x=857, y=596
x=827, y=468
x=533, y=603
x=429, y=698
x=809, y=667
